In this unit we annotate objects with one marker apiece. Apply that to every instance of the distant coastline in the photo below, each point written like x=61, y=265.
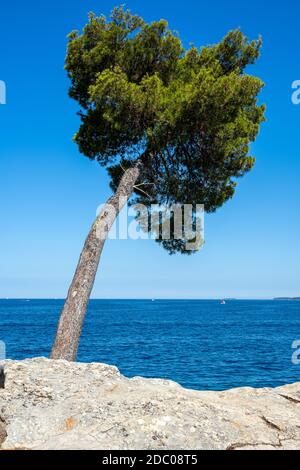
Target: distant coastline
x=286, y=298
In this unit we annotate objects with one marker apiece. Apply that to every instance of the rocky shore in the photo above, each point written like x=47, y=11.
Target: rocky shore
x=60, y=405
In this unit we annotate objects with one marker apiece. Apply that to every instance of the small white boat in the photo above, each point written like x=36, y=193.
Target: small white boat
x=223, y=302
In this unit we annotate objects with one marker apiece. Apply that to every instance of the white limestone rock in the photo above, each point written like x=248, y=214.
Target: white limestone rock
x=50, y=404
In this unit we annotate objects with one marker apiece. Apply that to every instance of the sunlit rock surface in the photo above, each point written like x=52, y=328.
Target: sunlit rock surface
x=60, y=405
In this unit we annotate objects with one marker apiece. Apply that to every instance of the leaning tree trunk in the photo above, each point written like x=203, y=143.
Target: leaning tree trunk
x=73, y=313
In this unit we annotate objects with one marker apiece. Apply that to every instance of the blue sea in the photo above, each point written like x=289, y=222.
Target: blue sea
x=200, y=344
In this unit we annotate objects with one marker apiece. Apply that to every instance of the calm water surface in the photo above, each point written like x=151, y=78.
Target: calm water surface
x=200, y=344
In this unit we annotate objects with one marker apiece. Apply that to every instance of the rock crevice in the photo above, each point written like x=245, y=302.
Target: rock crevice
x=2, y=377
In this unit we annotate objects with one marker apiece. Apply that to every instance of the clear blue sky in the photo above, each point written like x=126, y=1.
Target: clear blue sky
x=49, y=192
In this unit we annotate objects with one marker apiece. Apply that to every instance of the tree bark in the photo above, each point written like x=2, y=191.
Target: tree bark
x=73, y=314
